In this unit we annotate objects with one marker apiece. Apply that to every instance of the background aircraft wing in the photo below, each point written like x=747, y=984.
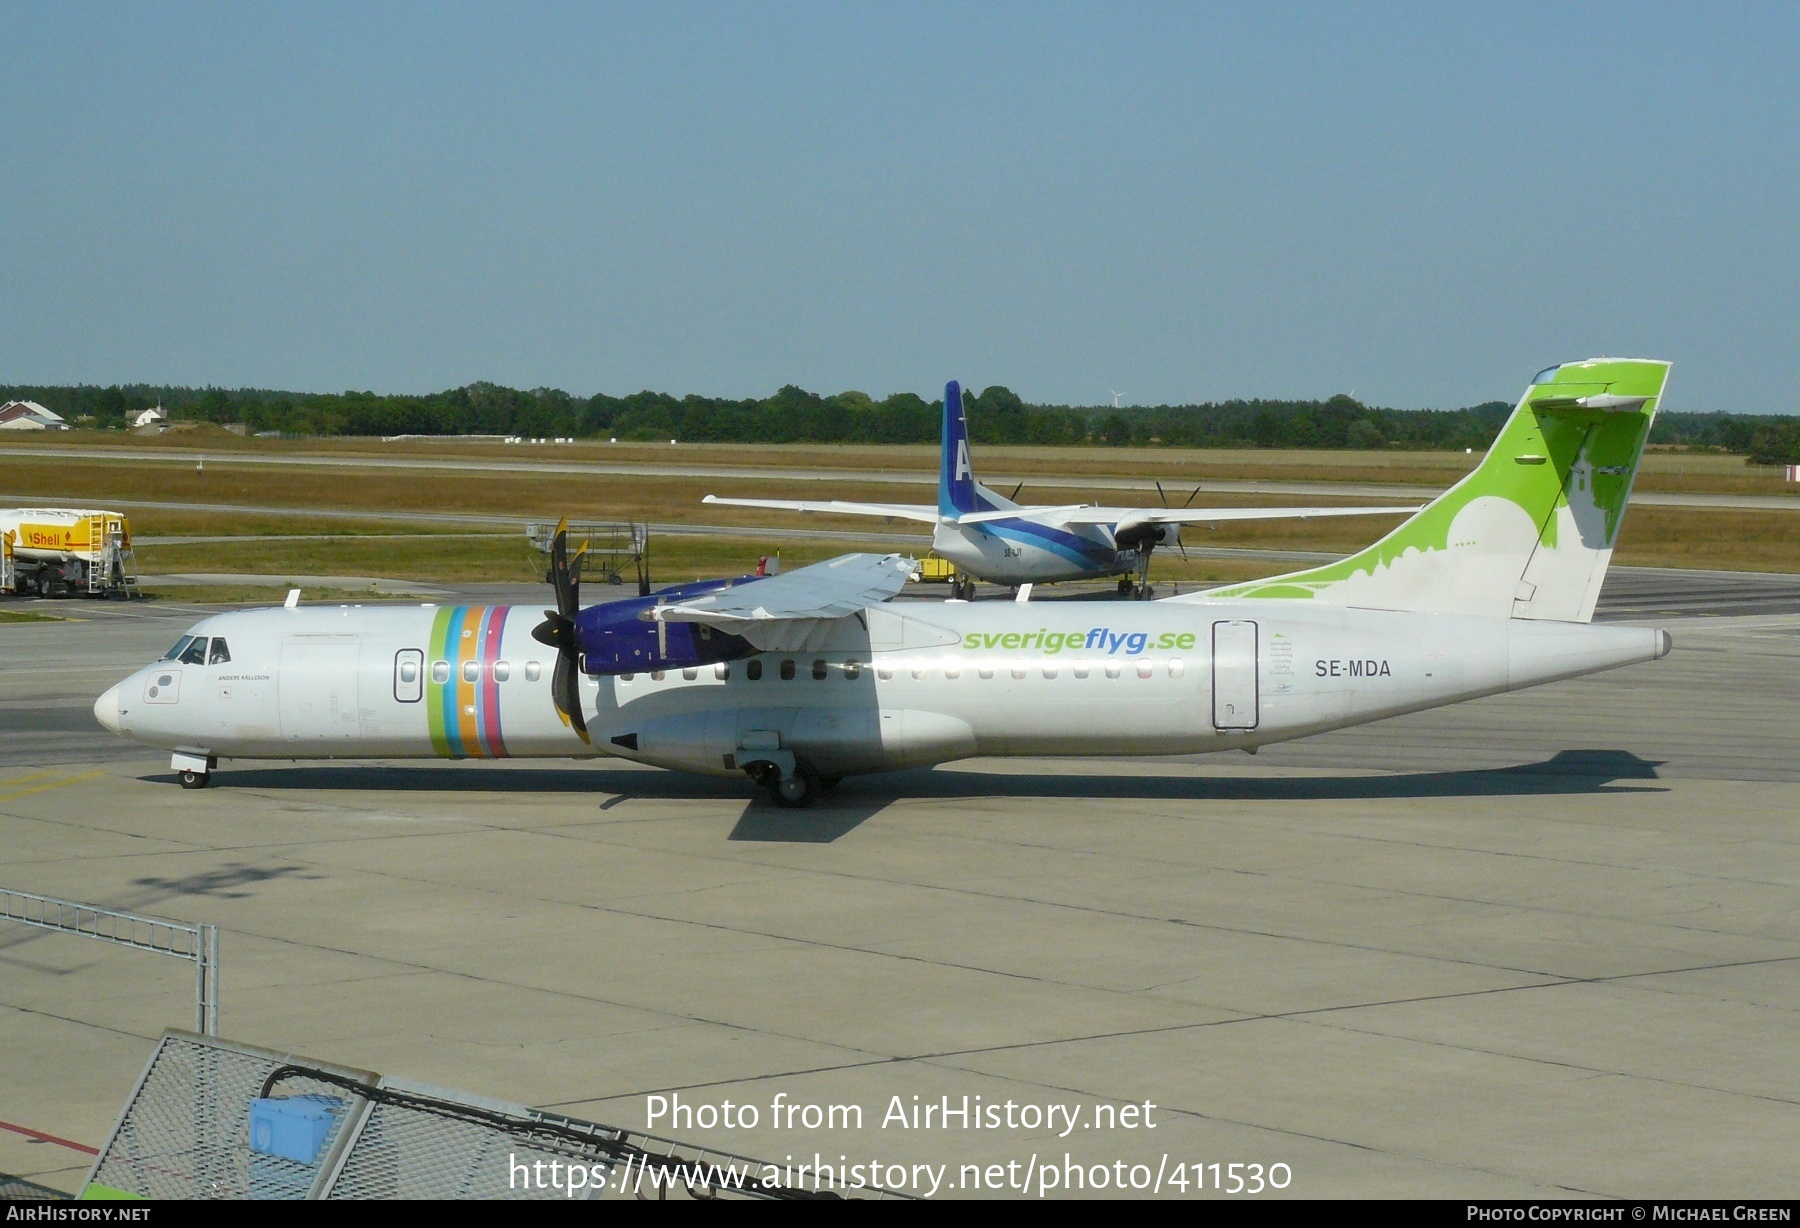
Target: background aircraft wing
x=1125, y=517
x=1043, y=515
x=835, y=588
x=900, y=511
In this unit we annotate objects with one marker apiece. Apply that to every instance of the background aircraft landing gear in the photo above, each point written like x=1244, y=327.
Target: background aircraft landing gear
x=191, y=779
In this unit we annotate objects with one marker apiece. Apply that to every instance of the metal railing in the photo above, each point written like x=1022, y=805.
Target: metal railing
x=187, y=1132
x=198, y=943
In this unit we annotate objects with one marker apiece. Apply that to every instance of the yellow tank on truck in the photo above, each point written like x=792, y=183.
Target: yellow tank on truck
x=51, y=534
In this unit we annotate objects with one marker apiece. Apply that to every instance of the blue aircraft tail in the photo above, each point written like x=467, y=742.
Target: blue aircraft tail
x=956, y=476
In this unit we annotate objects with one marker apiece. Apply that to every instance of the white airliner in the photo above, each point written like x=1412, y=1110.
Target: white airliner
x=799, y=679
x=989, y=537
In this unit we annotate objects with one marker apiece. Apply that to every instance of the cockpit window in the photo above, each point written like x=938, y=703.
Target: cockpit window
x=1546, y=375
x=219, y=654
x=194, y=653
x=180, y=647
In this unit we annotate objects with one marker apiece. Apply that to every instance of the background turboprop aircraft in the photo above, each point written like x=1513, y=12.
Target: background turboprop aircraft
x=799, y=679
x=989, y=537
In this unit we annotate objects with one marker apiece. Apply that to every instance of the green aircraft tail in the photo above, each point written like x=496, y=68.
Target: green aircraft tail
x=1527, y=534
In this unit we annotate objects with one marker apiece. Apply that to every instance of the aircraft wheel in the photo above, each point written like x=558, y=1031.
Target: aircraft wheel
x=195, y=780
x=798, y=791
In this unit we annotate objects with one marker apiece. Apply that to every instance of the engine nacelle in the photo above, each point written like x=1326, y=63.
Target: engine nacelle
x=1137, y=535
x=619, y=637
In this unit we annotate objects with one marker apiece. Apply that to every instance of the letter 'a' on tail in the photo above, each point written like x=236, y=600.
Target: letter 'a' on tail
x=956, y=476
x=1527, y=534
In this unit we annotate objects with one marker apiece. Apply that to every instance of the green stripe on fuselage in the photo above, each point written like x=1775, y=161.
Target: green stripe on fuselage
x=435, y=712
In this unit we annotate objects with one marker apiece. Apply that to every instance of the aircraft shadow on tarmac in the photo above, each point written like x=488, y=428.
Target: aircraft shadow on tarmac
x=861, y=798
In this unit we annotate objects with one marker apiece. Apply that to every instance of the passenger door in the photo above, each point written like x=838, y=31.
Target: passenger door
x=318, y=687
x=1234, y=675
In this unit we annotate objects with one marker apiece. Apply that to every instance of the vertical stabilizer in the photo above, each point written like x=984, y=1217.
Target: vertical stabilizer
x=958, y=491
x=956, y=475
x=1527, y=534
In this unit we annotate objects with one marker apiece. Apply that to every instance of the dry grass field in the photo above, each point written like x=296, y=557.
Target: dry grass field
x=381, y=542
x=1662, y=469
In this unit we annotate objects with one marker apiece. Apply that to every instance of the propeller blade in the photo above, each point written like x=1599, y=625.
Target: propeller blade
x=558, y=630
x=1161, y=495
x=1015, y=494
x=565, y=690
x=1192, y=497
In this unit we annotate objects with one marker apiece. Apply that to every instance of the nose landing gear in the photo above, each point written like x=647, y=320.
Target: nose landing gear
x=194, y=771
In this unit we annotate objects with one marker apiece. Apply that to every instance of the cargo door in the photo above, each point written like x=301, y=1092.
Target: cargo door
x=1234, y=675
x=318, y=687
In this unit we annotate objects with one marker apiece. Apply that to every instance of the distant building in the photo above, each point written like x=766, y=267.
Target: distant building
x=157, y=416
x=29, y=416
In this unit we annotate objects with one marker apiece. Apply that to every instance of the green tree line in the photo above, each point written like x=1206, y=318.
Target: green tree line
x=794, y=415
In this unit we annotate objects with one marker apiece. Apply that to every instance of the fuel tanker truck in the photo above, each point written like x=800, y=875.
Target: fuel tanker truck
x=63, y=552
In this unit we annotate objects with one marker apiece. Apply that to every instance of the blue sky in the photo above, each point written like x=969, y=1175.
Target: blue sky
x=1423, y=204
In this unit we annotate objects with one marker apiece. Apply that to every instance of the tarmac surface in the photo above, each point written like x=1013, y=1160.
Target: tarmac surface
x=1538, y=945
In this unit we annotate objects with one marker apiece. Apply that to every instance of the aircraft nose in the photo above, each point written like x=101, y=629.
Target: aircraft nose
x=106, y=709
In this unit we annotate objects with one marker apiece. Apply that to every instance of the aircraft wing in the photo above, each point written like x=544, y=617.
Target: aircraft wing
x=833, y=589
x=839, y=507
x=1126, y=517
x=1043, y=515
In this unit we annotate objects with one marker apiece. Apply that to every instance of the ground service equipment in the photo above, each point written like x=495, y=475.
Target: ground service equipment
x=63, y=552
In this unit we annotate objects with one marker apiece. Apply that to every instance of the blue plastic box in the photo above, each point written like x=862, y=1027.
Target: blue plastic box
x=292, y=1127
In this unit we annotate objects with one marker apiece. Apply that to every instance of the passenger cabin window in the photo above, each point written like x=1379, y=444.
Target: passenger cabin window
x=787, y=669
x=952, y=670
x=471, y=671
x=195, y=652
x=852, y=669
x=1112, y=669
x=884, y=672
x=1177, y=668
x=409, y=675
x=533, y=671
x=1081, y=669
x=690, y=673
x=753, y=670
x=986, y=671
x=502, y=671
x=1145, y=667
x=181, y=645
x=440, y=672
x=819, y=669
x=1018, y=669
x=722, y=671
x=220, y=655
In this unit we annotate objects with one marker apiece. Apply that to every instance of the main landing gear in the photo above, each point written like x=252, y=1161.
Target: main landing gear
x=792, y=784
